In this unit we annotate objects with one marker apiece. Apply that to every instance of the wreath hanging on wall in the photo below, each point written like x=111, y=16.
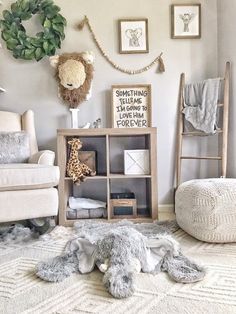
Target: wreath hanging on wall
x=45, y=42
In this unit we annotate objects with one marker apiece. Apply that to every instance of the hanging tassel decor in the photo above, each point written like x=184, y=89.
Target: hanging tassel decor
x=159, y=60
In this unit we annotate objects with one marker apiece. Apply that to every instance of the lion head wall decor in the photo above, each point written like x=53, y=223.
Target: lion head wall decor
x=74, y=73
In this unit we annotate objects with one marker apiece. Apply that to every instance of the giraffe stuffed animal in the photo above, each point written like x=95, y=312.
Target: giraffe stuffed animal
x=75, y=168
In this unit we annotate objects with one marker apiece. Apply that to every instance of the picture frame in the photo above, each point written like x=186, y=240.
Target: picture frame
x=131, y=106
x=185, y=21
x=133, y=35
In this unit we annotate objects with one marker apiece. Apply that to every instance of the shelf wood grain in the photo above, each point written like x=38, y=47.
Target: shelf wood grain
x=66, y=184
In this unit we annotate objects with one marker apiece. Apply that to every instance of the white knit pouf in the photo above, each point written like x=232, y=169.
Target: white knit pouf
x=206, y=209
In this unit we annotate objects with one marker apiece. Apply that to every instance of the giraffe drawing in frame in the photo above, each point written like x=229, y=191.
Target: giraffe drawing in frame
x=187, y=18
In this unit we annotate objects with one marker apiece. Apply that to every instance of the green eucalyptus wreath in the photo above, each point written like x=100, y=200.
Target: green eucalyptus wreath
x=44, y=43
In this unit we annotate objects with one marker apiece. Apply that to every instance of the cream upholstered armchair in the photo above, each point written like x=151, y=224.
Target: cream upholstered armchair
x=27, y=190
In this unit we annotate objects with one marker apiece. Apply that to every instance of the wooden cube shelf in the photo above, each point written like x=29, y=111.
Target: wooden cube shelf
x=110, y=145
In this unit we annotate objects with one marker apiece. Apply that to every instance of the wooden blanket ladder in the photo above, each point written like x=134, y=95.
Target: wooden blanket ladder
x=222, y=132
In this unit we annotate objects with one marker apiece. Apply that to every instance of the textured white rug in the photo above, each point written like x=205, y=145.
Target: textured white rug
x=22, y=292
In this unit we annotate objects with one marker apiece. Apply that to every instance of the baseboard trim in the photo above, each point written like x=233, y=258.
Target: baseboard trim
x=166, y=208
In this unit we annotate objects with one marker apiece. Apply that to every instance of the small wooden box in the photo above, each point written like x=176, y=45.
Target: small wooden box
x=123, y=208
x=88, y=158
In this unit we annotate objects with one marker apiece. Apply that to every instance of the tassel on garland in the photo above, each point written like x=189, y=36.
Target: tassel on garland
x=161, y=67
x=82, y=23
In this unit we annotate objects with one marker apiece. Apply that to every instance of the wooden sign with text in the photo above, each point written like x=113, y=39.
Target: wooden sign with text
x=131, y=106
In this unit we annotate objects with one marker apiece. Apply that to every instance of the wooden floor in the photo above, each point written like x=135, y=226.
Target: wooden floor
x=166, y=216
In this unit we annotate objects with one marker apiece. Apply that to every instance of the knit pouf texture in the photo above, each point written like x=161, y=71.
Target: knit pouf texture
x=206, y=209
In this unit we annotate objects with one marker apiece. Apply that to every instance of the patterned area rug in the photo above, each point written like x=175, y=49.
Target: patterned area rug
x=22, y=292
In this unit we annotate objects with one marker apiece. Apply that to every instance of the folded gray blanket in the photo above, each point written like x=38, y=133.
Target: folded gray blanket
x=200, y=107
x=120, y=250
x=84, y=213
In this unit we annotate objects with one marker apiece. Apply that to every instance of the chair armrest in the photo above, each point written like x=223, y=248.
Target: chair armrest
x=44, y=157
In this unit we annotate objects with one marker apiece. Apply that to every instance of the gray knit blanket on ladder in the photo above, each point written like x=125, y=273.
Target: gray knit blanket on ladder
x=200, y=104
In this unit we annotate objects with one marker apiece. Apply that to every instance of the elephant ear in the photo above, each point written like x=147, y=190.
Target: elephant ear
x=85, y=252
x=129, y=33
x=88, y=56
x=54, y=60
x=138, y=32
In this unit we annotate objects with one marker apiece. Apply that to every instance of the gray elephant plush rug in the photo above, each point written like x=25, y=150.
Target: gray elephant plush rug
x=120, y=250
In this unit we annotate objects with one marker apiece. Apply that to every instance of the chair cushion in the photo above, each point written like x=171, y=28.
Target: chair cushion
x=206, y=209
x=14, y=147
x=27, y=204
x=27, y=176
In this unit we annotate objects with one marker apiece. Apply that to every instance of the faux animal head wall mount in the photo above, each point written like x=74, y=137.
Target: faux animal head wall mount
x=74, y=72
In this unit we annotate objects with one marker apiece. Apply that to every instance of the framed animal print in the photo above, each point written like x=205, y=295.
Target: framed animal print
x=133, y=35
x=186, y=21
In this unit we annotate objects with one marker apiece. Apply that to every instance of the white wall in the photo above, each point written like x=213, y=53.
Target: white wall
x=227, y=52
x=32, y=84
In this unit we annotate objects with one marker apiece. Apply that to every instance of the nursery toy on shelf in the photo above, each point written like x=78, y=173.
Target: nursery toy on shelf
x=97, y=123
x=86, y=125
x=75, y=168
x=74, y=74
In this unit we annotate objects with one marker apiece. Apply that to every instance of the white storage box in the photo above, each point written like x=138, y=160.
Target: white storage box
x=137, y=161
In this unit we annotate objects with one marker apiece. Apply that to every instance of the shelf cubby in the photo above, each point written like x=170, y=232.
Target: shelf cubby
x=97, y=144
x=118, y=144
x=141, y=189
